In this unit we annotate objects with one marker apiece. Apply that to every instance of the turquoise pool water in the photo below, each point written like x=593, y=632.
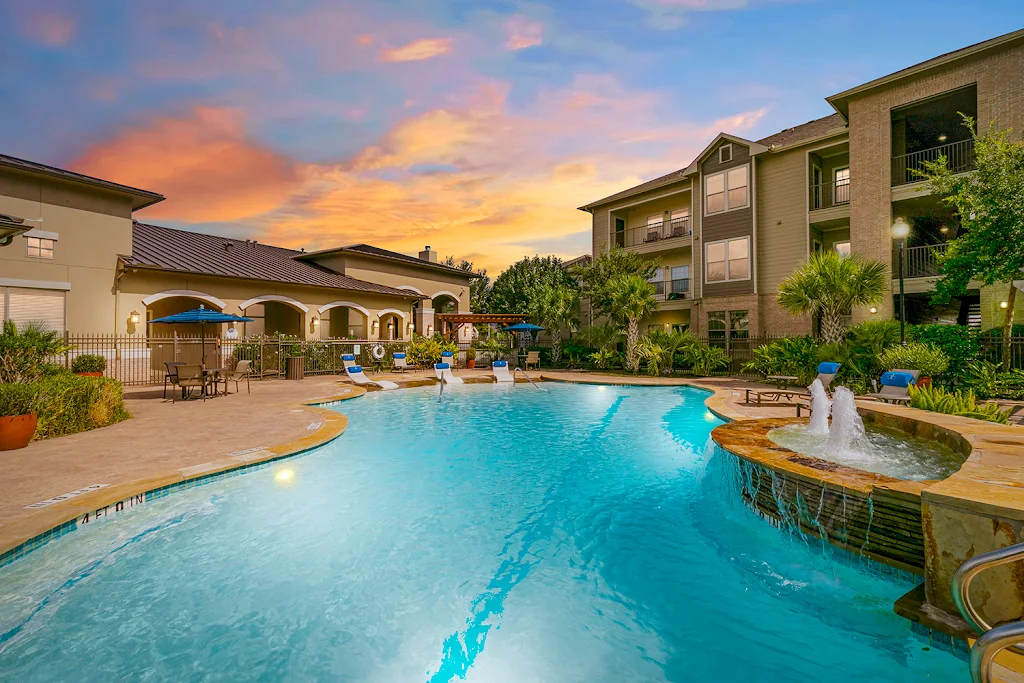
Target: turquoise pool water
x=497, y=535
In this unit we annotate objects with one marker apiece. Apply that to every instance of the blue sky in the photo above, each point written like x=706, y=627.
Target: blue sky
x=474, y=126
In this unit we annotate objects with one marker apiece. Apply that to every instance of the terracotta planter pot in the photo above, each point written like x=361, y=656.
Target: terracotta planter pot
x=89, y=374
x=16, y=431
x=924, y=382
x=471, y=363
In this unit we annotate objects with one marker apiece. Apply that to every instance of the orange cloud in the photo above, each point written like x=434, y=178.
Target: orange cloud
x=204, y=164
x=424, y=48
x=523, y=33
x=50, y=28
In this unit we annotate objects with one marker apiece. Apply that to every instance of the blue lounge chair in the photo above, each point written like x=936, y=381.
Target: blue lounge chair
x=827, y=372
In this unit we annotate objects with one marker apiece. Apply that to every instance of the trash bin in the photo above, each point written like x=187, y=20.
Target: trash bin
x=295, y=367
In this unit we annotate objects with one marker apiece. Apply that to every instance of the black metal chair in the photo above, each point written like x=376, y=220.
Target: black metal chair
x=172, y=374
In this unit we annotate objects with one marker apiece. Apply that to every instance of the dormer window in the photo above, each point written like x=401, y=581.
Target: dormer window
x=724, y=154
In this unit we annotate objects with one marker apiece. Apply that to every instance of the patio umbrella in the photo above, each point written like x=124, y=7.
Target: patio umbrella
x=202, y=316
x=519, y=328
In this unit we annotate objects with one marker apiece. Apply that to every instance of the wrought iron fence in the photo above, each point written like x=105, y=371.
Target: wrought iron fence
x=827, y=195
x=959, y=157
x=992, y=350
x=654, y=232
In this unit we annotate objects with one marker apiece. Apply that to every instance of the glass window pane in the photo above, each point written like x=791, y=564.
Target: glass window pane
x=680, y=213
x=716, y=271
x=739, y=269
x=716, y=202
x=658, y=276
x=738, y=248
x=739, y=324
x=715, y=184
x=842, y=176
x=842, y=248
x=716, y=325
x=716, y=251
x=737, y=197
x=738, y=177
x=680, y=272
x=654, y=220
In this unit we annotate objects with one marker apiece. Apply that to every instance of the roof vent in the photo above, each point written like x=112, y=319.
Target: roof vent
x=228, y=246
x=428, y=255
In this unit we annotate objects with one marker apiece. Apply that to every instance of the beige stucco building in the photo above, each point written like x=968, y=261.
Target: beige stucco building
x=86, y=267
x=735, y=222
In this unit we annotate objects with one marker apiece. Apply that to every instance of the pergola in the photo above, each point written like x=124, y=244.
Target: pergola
x=449, y=323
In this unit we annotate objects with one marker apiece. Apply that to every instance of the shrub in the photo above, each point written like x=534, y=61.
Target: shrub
x=575, y=355
x=471, y=353
x=89, y=363
x=25, y=354
x=959, y=344
x=794, y=356
x=858, y=352
x=427, y=350
x=653, y=354
x=69, y=404
x=18, y=399
x=606, y=358
x=914, y=356
x=704, y=359
x=987, y=380
x=937, y=399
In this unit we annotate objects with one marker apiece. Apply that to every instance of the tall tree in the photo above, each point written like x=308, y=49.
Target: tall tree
x=632, y=301
x=596, y=277
x=560, y=305
x=829, y=285
x=520, y=287
x=479, y=287
x=990, y=201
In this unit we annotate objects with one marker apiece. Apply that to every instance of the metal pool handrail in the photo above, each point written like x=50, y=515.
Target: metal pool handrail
x=992, y=640
x=524, y=375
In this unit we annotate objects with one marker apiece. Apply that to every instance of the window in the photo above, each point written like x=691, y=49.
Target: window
x=680, y=327
x=39, y=247
x=43, y=306
x=680, y=282
x=842, y=248
x=841, y=190
x=724, y=154
x=816, y=246
x=620, y=232
x=726, y=191
x=739, y=325
x=727, y=260
x=815, y=187
x=658, y=280
x=716, y=326
x=680, y=222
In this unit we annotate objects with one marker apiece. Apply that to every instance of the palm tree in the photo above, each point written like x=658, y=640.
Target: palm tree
x=830, y=285
x=558, y=309
x=672, y=342
x=632, y=300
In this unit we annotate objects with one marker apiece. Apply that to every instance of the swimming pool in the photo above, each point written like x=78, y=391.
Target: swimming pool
x=576, y=533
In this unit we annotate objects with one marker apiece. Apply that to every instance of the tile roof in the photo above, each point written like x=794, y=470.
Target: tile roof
x=370, y=250
x=805, y=131
x=145, y=197
x=192, y=252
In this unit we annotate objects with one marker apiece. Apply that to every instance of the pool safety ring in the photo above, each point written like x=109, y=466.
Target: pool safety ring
x=377, y=352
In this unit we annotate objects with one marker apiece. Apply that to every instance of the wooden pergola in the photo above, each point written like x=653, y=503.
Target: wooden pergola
x=449, y=323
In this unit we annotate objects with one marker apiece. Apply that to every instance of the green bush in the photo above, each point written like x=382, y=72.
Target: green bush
x=793, y=356
x=937, y=399
x=424, y=351
x=89, y=363
x=69, y=404
x=605, y=359
x=18, y=399
x=959, y=344
x=24, y=354
x=987, y=380
x=914, y=356
x=703, y=359
x=858, y=353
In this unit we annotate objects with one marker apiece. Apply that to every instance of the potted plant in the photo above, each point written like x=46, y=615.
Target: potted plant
x=927, y=359
x=471, y=357
x=18, y=415
x=89, y=365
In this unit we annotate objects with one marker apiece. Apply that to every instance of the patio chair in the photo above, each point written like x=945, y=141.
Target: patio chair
x=349, y=360
x=499, y=369
x=826, y=373
x=172, y=374
x=443, y=371
x=191, y=377
x=355, y=373
x=401, y=365
x=532, y=358
x=240, y=372
x=895, y=386
x=449, y=357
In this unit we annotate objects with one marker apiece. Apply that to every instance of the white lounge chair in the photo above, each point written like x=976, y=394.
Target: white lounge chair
x=401, y=365
x=349, y=360
x=443, y=371
x=355, y=373
x=499, y=369
x=449, y=357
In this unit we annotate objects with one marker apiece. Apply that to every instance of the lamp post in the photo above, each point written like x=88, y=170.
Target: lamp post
x=900, y=231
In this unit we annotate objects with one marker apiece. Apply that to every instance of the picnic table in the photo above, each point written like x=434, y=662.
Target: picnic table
x=782, y=381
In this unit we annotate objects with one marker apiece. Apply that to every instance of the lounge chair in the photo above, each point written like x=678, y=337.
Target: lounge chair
x=449, y=357
x=240, y=372
x=349, y=360
x=499, y=369
x=826, y=373
x=191, y=377
x=895, y=386
x=400, y=363
x=355, y=373
x=443, y=371
x=532, y=358
x=172, y=374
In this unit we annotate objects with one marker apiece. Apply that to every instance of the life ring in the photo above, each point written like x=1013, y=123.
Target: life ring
x=377, y=352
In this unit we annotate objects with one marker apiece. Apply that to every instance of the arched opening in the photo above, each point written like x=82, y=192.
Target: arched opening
x=181, y=342
x=274, y=315
x=345, y=322
x=169, y=305
x=391, y=327
x=445, y=302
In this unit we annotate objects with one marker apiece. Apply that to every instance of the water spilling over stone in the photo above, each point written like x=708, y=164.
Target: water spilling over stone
x=847, y=430
x=820, y=407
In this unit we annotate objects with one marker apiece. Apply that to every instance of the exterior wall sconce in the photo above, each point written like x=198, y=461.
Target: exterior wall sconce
x=134, y=317
x=430, y=330
x=316, y=321
x=872, y=310
x=1003, y=304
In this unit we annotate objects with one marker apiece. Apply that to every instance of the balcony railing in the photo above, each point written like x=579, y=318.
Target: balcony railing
x=827, y=195
x=654, y=232
x=918, y=261
x=959, y=159
x=672, y=290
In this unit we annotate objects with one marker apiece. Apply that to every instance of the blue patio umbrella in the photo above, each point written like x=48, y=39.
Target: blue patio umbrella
x=202, y=316
x=523, y=327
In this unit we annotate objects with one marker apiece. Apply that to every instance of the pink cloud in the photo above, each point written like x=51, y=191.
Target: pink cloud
x=523, y=33
x=50, y=28
x=417, y=50
x=365, y=40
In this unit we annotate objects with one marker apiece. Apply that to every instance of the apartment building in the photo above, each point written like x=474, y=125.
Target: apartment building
x=735, y=222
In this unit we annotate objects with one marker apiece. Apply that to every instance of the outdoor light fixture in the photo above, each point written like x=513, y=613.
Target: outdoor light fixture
x=942, y=138
x=900, y=231
x=430, y=330
x=134, y=317
x=872, y=310
x=316, y=321
x=944, y=229
x=1003, y=304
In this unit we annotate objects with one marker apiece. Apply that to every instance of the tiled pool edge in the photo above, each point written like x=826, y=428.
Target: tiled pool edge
x=32, y=531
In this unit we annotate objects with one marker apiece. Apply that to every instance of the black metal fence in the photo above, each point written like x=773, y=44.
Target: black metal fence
x=992, y=350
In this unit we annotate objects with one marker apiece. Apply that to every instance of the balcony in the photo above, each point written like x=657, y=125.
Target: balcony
x=672, y=290
x=830, y=203
x=907, y=168
x=653, y=233
x=918, y=261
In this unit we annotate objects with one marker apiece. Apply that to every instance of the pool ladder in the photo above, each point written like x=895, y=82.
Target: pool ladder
x=993, y=640
x=524, y=375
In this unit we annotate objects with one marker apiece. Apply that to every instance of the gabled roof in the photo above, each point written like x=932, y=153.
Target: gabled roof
x=140, y=198
x=833, y=124
x=377, y=252
x=840, y=101
x=182, y=251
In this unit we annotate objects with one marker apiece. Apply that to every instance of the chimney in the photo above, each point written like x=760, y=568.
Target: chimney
x=428, y=255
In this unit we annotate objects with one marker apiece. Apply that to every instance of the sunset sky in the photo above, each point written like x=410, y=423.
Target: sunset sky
x=474, y=126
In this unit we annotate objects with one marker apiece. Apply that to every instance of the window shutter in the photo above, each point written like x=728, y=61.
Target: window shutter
x=37, y=305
